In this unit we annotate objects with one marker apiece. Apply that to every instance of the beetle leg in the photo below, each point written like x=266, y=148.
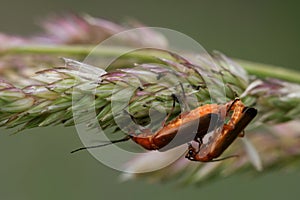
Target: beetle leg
x=233, y=90
x=171, y=111
x=199, y=141
x=242, y=134
x=185, y=104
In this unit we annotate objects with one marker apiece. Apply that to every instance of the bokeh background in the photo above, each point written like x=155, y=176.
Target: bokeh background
x=36, y=164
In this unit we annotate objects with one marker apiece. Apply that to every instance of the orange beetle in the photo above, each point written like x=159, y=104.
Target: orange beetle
x=221, y=140
x=205, y=119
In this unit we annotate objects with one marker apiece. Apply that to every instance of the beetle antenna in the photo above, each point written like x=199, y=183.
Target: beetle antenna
x=171, y=111
x=224, y=158
x=184, y=102
x=102, y=145
x=233, y=90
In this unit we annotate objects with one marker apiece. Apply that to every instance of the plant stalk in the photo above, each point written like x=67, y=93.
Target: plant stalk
x=253, y=68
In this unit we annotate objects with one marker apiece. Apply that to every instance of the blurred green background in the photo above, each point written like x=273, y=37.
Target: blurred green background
x=36, y=164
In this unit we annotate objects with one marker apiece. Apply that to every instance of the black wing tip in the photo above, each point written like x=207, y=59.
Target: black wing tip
x=252, y=112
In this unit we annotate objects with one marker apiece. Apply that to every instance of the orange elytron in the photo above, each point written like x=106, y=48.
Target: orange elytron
x=205, y=119
x=223, y=139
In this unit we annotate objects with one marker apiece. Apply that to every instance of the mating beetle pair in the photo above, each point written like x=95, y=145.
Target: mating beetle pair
x=207, y=118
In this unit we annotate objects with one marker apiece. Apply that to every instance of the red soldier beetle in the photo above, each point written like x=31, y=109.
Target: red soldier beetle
x=222, y=140
x=202, y=117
